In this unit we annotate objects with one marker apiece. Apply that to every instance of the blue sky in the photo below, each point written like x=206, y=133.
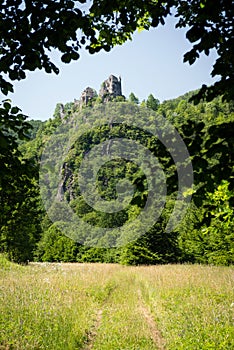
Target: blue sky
x=151, y=63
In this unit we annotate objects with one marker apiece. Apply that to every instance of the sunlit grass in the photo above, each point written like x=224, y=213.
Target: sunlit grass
x=101, y=307
x=193, y=305
x=48, y=306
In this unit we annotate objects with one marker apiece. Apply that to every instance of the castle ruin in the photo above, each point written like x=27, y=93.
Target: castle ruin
x=87, y=95
x=111, y=87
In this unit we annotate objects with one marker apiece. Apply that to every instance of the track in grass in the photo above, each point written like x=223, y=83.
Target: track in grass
x=92, y=333
x=155, y=333
x=110, y=307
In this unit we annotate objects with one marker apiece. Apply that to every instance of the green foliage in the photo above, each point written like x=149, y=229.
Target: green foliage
x=154, y=247
x=58, y=109
x=32, y=53
x=68, y=29
x=28, y=33
x=207, y=131
x=98, y=100
x=36, y=125
x=199, y=126
x=55, y=246
x=219, y=234
x=207, y=232
x=152, y=102
x=20, y=207
x=210, y=27
x=20, y=222
x=143, y=104
x=190, y=240
x=95, y=254
x=5, y=264
x=119, y=99
x=132, y=98
x=137, y=254
x=20, y=219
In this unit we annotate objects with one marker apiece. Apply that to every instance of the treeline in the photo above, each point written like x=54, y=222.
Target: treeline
x=206, y=233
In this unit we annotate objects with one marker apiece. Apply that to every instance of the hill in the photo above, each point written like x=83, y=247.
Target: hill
x=109, y=218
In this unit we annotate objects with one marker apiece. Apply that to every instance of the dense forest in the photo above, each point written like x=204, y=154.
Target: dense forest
x=32, y=229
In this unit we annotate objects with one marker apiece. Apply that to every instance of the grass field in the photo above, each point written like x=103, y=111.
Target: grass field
x=102, y=307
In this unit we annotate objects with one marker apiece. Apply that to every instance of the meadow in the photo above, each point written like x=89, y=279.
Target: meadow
x=107, y=306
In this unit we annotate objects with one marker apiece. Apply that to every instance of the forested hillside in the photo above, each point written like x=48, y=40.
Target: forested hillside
x=206, y=233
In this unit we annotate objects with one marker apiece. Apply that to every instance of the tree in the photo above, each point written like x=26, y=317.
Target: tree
x=31, y=29
x=55, y=246
x=132, y=98
x=219, y=234
x=19, y=222
x=210, y=28
x=152, y=102
x=207, y=233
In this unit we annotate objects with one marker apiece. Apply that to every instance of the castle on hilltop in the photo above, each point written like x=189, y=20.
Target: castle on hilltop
x=110, y=88
x=87, y=95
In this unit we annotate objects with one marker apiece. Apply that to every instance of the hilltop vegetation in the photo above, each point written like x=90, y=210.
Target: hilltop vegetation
x=206, y=233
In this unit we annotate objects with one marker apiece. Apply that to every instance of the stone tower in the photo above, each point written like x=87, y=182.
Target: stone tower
x=111, y=87
x=87, y=95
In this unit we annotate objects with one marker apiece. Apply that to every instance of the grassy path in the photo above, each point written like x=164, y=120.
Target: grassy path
x=111, y=307
x=149, y=318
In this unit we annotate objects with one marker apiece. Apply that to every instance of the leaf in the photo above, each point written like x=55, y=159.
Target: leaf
x=3, y=142
x=7, y=106
x=15, y=110
x=75, y=55
x=66, y=58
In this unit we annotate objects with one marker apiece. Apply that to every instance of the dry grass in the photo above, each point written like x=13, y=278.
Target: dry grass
x=193, y=305
x=105, y=306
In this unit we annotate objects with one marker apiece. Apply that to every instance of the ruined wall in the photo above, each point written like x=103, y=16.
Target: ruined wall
x=87, y=95
x=111, y=87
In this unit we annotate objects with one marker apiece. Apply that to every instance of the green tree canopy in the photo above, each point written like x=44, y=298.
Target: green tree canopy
x=31, y=29
x=152, y=102
x=19, y=219
x=132, y=98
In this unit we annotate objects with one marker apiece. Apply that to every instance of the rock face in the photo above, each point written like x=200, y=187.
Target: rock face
x=62, y=111
x=65, y=186
x=87, y=95
x=111, y=87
